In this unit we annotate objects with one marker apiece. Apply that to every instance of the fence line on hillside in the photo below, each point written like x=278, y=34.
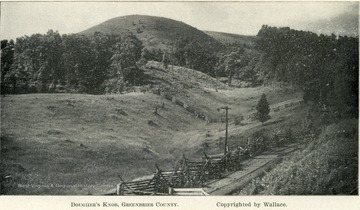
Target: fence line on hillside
x=192, y=174
x=186, y=72
x=175, y=100
x=197, y=113
x=203, y=116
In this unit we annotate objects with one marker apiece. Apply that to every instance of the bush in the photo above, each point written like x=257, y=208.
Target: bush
x=263, y=109
x=238, y=120
x=114, y=85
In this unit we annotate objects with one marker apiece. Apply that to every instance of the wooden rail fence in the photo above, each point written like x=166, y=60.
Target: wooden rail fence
x=196, y=173
x=199, y=114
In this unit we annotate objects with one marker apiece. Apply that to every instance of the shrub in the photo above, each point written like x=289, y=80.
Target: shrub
x=263, y=109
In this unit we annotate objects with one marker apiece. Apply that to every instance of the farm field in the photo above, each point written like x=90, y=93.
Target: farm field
x=79, y=144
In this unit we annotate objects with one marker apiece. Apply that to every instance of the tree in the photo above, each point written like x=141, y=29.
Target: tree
x=231, y=62
x=123, y=62
x=263, y=109
x=79, y=62
x=50, y=71
x=23, y=75
x=7, y=58
x=101, y=51
x=189, y=53
x=86, y=61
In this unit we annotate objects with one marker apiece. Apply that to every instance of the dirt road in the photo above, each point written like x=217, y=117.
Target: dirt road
x=251, y=169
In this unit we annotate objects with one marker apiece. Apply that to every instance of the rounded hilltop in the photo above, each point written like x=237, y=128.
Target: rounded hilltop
x=153, y=31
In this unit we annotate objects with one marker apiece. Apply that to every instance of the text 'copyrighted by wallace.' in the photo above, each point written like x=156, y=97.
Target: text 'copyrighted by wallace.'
x=224, y=205
x=250, y=204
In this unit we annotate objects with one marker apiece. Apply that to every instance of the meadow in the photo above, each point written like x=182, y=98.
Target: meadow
x=79, y=144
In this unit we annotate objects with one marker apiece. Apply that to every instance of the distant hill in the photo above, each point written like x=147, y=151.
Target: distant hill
x=154, y=32
x=341, y=25
x=227, y=38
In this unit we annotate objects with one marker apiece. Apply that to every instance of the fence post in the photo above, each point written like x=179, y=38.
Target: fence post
x=171, y=190
x=157, y=179
x=120, y=189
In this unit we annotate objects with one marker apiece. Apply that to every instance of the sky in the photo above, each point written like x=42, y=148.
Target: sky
x=246, y=18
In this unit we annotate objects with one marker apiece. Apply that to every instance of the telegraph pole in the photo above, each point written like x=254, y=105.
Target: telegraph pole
x=226, y=130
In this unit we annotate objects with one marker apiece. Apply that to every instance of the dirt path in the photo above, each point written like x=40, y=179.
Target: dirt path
x=252, y=168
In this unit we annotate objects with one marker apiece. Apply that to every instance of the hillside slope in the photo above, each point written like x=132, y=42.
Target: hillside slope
x=80, y=143
x=78, y=140
x=154, y=32
x=228, y=38
x=191, y=87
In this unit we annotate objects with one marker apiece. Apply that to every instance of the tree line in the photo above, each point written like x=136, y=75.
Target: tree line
x=326, y=67
x=95, y=64
x=99, y=63
x=70, y=63
x=232, y=60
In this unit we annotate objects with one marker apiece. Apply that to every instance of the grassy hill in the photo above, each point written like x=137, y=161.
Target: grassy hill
x=227, y=38
x=199, y=90
x=80, y=143
x=84, y=139
x=154, y=32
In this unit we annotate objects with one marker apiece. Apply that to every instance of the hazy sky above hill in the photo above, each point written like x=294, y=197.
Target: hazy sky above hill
x=26, y=18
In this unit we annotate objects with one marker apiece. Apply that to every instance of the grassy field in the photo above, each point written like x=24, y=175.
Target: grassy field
x=82, y=138
x=78, y=144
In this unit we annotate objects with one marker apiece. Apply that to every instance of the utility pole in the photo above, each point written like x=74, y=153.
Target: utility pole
x=226, y=130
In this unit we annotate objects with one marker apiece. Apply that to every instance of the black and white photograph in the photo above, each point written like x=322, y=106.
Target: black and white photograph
x=180, y=99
